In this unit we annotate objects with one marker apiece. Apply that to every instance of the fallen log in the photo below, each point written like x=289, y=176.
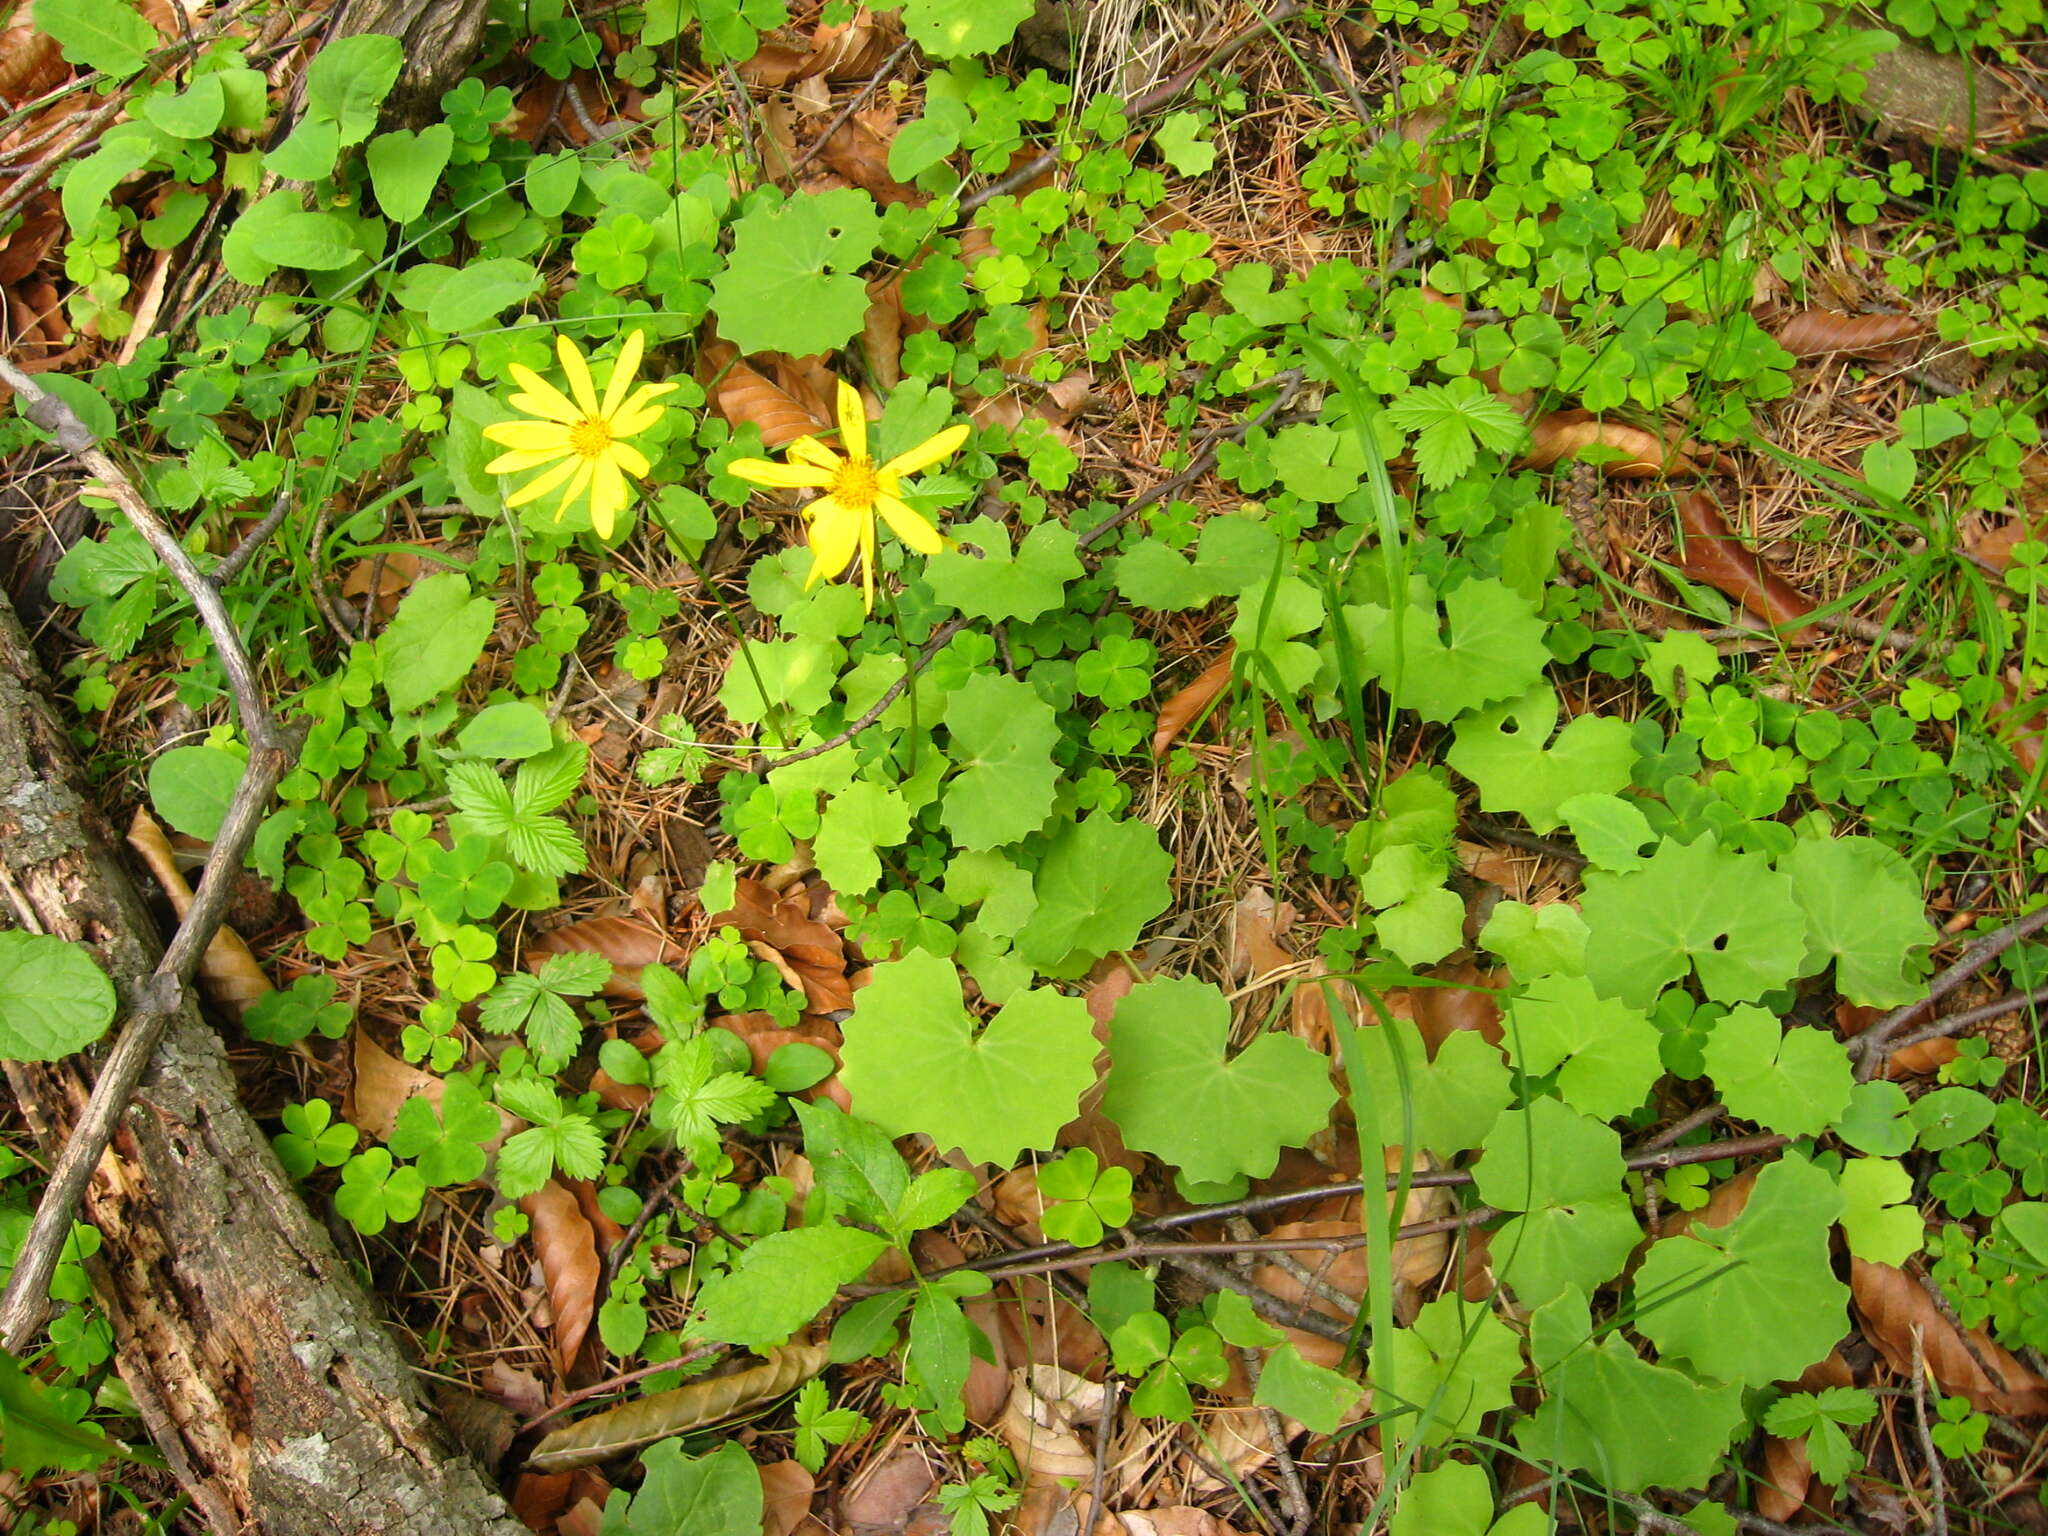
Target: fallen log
x=275, y=1391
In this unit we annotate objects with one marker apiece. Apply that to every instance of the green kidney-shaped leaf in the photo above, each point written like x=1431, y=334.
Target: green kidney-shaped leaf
x=1453, y=1365
x=1605, y=1053
x=1494, y=649
x=1692, y=906
x=485, y=290
x=958, y=29
x=53, y=998
x=792, y=284
x=1795, y=1081
x=1864, y=911
x=1101, y=882
x=1172, y=1090
x=191, y=788
x=914, y=1061
x=1508, y=752
x=433, y=640
x=1632, y=1424
x=1755, y=1301
x=1564, y=1171
x=1446, y=1105
x=1002, y=735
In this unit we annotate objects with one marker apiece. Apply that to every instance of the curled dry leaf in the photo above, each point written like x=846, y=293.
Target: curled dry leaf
x=1256, y=922
x=786, y=1490
x=1176, y=1520
x=31, y=62
x=881, y=331
x=853, y=50
x=23, y=251
x=1785, y=1477
x=1894, y=1305
x=228, y=973
x=1818, y=332
x=859, y=153
x=628, y=943
x=1714, y=555
x=1040, y=1423
x=1642, y=453
x=394, y=575
x=677, y=1411
x=381, y=1083
x=1180, y=711
x=742, y=394
x=1468, y=999
x=571, y=1265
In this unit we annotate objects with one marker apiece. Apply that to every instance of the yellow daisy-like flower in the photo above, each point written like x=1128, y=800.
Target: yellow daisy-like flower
x=582, y=437
x=856, y=491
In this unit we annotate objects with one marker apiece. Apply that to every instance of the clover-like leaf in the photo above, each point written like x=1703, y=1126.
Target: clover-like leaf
x=914, y=1061
x=1172, y=1090
x=1604, y=1052
x=1878, y=1216
x=1508, y=751
x=793, y=282
x=1493, y=649
x=1002, y=735
x=1755, y=1301
x=1692, y=906
x=1795, y=1081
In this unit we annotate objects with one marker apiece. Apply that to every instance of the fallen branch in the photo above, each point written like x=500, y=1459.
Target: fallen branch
x=1870, y=1048
x=25, y=1303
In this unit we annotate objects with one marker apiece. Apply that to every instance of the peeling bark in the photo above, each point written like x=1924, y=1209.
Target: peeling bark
x=270, y=1383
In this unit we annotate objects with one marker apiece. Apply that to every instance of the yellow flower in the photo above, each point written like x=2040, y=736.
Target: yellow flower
x=856, y=489
x=587, y=436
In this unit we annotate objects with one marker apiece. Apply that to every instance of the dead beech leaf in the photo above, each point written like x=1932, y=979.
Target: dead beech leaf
x=1256, y=923
x=861, y=155
x=1634, y=453
x=380, y=1085
x=1786, y=1475
x=1180, y=711
x=774, y=64
x=644, y=1420
x=1468, y=1000
x=852, y=50
x=629, y=944
x=571, y=1265
x=228, y=972
x=883, y=1493
x=1908, y=1061
x=1818, y=332
x=881, y=331
x=31, y=62
x=1040, y=1423
x=1894, y=1305
x=813, y=951
x=394, y=574
x=1175, y=1520
x=742, y=394
x=1714, y=555
x=786, y=1490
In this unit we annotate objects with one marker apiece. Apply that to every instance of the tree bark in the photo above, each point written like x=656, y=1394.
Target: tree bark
x=440, y=37
x=276, y=1393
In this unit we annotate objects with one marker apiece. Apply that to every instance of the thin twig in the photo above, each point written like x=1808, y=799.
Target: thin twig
x=1955, y=1023
x=1937, y=1483
x=244, y=552
x=1105, y=1426
x=1294, y=1497
x=271, y=751
x=1870, y=1048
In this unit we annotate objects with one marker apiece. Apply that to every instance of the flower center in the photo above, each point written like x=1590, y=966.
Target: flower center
x=590, y=437
x=854, y=484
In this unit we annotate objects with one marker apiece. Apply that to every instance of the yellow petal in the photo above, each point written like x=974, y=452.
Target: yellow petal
x=634, y=420
x=629, y=458
x=853, y=422
x=623, y=368
x=928, y=452
x=522, y=459
x=541, y=398
x=867, y=563
x=531, y=435
x=834, y=536
x=608, y=498
x=808, y=450
x=540, y=485
x=908, y=526
x=782, y=476
x=578, y=371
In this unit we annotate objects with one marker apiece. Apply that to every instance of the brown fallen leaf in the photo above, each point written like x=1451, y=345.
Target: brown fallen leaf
x=1712, y=554
x=2018, y=724
x=814, y=952
x=31, y=61
x=1468, y=1000
x=881, y=331
x=786, y=1490
x=1894, y=1306
x=883, y=1493
x=644, y=1420
x=1819, y=332
x=1175, y=1520
x=1908, y=1061
x=1181, y=710
x=228, y=972
x=1417, y=1262
x=1041, y=1424
x=569, y=1262
x=628, y=943
x=741, y=393
x=1784, y=1478
x=380, y=1085
x=856, y=151
x=1635, y=452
